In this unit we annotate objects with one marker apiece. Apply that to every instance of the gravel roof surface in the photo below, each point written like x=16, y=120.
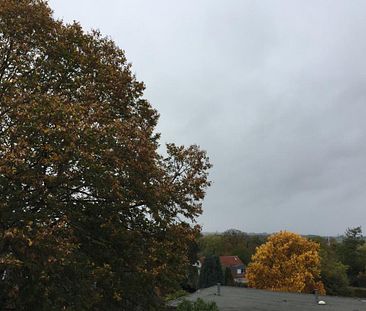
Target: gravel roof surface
x=236, y=298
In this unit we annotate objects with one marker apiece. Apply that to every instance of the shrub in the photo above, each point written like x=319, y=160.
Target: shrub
x=359, y=292
x=198, y=305
x=178, y=294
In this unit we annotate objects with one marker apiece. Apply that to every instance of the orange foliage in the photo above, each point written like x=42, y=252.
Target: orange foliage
x=286, y=262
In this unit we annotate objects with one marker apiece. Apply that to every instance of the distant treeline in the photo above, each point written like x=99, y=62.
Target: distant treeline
x=343, y=258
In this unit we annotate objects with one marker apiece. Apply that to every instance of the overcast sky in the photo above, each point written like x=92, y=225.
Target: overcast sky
x=275, y=91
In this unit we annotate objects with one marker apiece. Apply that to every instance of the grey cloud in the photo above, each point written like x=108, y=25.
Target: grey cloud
x=274, y=91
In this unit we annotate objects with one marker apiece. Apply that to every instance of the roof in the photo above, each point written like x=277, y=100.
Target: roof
x=230, y=261
x=249, y=299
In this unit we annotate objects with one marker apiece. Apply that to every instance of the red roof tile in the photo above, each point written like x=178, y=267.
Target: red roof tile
x=229, y=261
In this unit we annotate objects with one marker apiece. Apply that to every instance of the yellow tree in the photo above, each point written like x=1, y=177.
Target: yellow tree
x=286, y=262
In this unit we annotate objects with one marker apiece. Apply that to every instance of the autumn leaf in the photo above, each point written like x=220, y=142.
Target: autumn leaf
x=286, y=262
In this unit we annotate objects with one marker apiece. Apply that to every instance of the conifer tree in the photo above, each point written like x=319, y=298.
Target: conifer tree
x=228, y=277
x=211, y=272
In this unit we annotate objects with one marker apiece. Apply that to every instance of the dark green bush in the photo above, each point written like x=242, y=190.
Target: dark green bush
x=359, y=292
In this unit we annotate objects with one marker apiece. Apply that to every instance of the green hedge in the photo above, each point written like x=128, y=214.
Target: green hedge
x=198, y=305
x=359, y=292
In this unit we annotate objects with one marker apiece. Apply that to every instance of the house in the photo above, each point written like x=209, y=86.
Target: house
x=236, y=266
x=233, y=263
x=249, y=299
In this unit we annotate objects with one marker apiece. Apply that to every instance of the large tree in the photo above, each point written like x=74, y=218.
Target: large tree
x=351, y=253
x=333, y=272
x=230, y=242
x=92, y=216
x=286, y=262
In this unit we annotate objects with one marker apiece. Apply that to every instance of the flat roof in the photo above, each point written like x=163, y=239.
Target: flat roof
x=249, y=299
